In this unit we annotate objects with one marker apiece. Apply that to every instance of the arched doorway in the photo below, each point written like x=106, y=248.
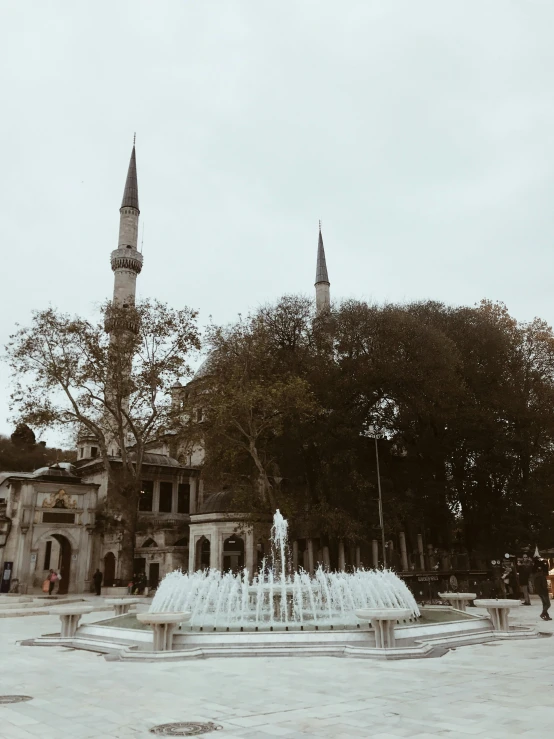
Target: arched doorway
x=233, y=554
x=109, y=569
x=203, y=553
x=64, y=563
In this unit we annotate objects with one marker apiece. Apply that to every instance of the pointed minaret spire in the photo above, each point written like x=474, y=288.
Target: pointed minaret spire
x=126, y=259
x=322, y=284
x=130, y=194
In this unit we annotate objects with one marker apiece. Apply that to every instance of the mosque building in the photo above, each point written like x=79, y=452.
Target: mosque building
x=50, y=519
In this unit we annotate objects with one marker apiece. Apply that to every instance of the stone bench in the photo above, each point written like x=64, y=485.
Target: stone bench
x=498, y=609
x=163, y=625
x=70, y=617
x=383, y=621
x=122, y=605
x=458, y=600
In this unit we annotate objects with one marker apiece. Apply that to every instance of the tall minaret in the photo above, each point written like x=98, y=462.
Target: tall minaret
x=126, y=259
x=322, y=284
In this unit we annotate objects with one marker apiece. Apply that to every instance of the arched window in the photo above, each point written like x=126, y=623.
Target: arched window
x=149, y=543
x=203, y=553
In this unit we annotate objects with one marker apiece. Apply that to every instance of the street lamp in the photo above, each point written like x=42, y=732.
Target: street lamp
x=372, y=433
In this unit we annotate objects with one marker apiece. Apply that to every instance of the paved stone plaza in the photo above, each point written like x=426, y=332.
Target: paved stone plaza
x=490, y=691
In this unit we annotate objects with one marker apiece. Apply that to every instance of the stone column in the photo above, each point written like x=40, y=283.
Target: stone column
x=311, y=556
x=420, y=551
x=174, y=498
x=216, y=541
x=193, y=494
x=295, y=556
x=342, y=560
x=249, y=553
x=76, y=572
x=403, y=551
x=326, y=558
x=192, y=552
x=375, y=552
x=21, y=564
x=33, y=566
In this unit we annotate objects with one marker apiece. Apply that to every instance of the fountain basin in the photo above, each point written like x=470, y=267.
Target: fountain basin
x=383, y=614
x=439, y=628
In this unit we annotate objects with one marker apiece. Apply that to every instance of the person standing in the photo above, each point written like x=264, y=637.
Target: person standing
x=510, y=580
x=541, y=587
x=97, y=578
x=524, y=572
x=52, y=580
x=142, y=583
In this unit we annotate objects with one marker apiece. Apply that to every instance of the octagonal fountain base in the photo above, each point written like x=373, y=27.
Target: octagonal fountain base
x=209, y=613
x=440, y=628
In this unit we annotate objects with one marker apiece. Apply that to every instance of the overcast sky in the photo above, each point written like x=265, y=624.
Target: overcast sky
x=421, y=132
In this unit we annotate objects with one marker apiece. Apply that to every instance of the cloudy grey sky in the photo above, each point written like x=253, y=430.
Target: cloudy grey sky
x=420, y=132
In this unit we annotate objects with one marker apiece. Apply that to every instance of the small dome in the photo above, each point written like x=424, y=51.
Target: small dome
x=220, y=503
x=56, y=472
x=204, y=369
x=162, y=460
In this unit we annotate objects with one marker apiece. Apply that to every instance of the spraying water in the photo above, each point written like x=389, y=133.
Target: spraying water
x=218, y=598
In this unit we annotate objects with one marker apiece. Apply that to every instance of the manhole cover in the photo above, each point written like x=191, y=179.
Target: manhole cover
x=185, y=728
x=14, y=698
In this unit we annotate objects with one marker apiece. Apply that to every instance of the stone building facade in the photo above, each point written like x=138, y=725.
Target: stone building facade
x=52, y=513
x=169, y=496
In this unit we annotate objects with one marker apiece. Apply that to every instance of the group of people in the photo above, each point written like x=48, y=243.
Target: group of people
x=531, y=574
x=138, y=584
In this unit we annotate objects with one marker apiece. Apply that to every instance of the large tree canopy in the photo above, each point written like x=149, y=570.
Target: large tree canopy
x=109, y=379
x=463, y=398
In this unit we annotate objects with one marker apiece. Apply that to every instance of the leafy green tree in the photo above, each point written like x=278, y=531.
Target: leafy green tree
x=462, y=396
x=23, y=436
x=249, y=397
x=111, y=379
x=23, y=458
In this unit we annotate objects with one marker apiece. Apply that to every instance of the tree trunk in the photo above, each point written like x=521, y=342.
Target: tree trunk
x=267, y=488
x=129, y=512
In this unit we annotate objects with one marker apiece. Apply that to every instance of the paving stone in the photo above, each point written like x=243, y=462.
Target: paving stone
x=479, y=691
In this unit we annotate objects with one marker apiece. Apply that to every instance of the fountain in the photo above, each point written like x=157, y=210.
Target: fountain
x=279, y=612
x=275, y=596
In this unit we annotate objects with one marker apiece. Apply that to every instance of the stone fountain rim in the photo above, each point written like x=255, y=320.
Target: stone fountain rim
x=163, y=617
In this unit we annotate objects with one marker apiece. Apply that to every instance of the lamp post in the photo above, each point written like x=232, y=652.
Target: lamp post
x=373, y=434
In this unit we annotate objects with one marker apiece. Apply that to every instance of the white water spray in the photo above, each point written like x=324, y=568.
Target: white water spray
x=224, y=598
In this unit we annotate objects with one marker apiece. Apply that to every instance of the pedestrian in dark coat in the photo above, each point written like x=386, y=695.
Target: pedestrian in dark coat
x=541, y=587
x=97, y=578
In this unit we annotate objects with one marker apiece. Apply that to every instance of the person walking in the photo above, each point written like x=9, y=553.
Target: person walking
x=524, y=572
x=541, y=587
x=97, y=578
